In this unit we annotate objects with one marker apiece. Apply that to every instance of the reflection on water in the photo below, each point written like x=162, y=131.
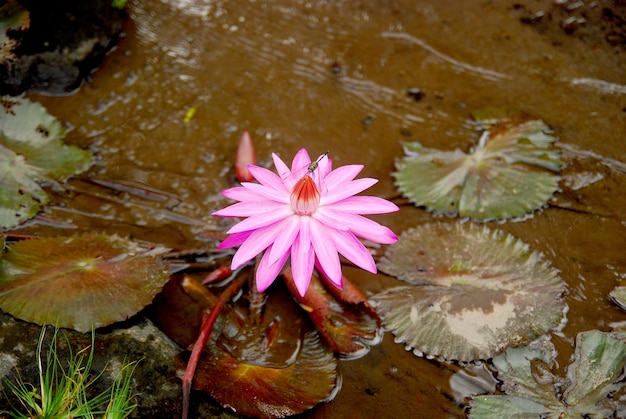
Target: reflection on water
x=459, y=66
x=309, y=74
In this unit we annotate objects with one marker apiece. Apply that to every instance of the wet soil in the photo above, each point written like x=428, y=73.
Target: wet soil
x=342, y=76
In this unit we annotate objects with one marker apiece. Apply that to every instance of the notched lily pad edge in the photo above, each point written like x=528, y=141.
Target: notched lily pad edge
x=524, y=394
x=395, y=263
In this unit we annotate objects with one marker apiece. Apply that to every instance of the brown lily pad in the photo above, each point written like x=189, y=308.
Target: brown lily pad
x=344, y=318
x=178, y=309
x=267, y=333
x=79, y=282
x=262, y=391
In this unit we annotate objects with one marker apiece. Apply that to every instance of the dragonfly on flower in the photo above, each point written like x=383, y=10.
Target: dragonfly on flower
x=308, y=214
x=310, y=169
x=305, y=193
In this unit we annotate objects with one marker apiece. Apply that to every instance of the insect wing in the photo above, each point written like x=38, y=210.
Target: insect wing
x=317, y=169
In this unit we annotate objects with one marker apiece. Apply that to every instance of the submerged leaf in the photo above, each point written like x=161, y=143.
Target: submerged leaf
x=473, y=292
x=261, y=391
x=262, y=359
x=492, y=116
x=531, y=389
x=271, y=337
x=79, y=282
x=178, y=309
x=31, y=151
x=498, y=180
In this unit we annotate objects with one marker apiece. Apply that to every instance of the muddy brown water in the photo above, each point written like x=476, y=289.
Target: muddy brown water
x=334, y=76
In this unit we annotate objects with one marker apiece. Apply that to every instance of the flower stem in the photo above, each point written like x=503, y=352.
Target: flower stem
x=205, y=335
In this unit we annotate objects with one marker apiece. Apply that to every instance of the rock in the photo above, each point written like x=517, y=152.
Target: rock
x=156, y=389
x=58, y=45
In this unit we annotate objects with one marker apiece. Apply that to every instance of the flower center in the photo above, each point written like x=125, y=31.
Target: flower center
x=305, y=197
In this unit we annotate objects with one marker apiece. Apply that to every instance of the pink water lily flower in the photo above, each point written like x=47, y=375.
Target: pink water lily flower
x=309, y=213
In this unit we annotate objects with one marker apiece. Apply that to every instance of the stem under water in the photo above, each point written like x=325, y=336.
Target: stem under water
x=205, y=335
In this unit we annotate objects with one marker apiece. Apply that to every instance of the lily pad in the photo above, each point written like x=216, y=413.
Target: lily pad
x=79, y=282
x=178, y=309
x=618, y=296
x=532, y=389
x=31, y=151
x=264, y=391
x=500, y=179
x=267, y=333
x=493, y=116
x=474, y=292
x=344, y=318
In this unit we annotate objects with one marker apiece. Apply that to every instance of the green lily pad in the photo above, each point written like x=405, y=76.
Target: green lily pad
x=618, y=296
x=493, y=116
x=264, y=391
x=519, y=367
x=532, y=389
x=31, y=151
x=79, y=282
x=473, y=292
x=596, y=372
x=500, y=179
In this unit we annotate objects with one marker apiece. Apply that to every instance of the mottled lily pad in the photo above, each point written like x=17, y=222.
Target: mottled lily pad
x=264, y=391
x=31, y=151
x=500, y=179
x=533, y=390
x=79, y=282
x=474, y=292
